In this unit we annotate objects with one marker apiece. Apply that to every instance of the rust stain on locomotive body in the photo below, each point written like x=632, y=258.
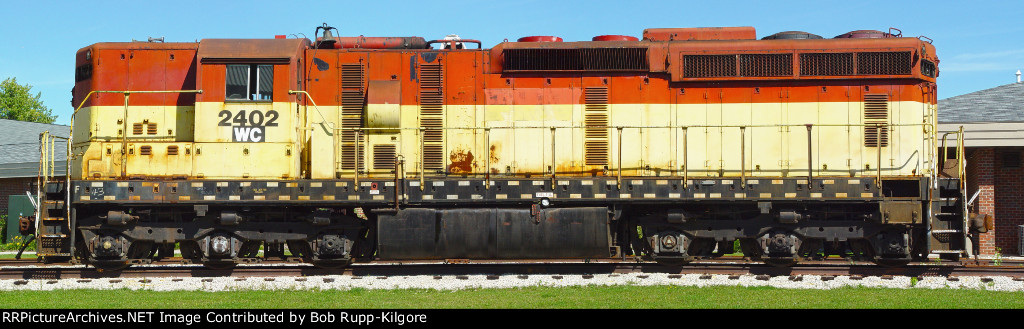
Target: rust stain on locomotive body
x=461, y=161
x=494, y=153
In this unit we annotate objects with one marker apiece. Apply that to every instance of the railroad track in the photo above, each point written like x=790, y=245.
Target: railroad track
x=25, y=269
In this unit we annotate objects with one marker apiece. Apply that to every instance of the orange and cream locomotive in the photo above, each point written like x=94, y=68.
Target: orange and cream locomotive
x=670, y=147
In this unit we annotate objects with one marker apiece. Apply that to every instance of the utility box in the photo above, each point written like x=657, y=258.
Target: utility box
x=17, y=206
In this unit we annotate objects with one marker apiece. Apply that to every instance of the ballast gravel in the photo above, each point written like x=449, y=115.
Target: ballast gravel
x=458, y=282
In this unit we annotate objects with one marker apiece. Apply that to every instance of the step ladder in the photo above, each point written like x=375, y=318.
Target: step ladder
x=54, y=236
x=53, y=229
x=948, y=219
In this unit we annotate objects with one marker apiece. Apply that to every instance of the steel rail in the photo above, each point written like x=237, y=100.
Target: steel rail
x=521, y=267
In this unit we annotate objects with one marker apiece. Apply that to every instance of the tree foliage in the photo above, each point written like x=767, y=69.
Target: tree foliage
x=17, y=103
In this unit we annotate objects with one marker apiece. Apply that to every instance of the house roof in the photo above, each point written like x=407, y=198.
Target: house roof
x=19, y=147
x=1000, y=104
x=990, y=117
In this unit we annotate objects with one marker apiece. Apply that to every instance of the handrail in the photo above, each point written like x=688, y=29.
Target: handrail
x=621, y=169
x=637, y=127
x=316, y=108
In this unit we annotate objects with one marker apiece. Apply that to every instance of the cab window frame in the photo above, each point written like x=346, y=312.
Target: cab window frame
x=258, y=83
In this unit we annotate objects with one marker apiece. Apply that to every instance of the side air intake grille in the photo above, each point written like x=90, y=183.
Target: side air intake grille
x=709, y=66
x=575, y=59
x=884, y=63
x=766, y=65
x=825, y=64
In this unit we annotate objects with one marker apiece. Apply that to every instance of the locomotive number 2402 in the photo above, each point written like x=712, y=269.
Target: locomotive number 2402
x=248, y=126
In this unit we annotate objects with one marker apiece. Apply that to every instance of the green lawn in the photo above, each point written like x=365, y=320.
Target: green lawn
x=660, y=297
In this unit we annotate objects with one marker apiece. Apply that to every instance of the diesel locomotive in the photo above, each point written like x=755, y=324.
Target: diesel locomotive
x=669, y=148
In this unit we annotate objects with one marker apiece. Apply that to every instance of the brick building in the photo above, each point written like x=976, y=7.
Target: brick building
x=19, y=156
x=993, y=121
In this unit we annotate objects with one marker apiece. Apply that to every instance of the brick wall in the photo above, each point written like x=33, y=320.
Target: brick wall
x=980, y=168
x=15, y=186
x=1002, y=196
x=1009, y=208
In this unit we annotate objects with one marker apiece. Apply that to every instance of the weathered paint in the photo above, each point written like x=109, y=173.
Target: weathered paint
x=517, y=108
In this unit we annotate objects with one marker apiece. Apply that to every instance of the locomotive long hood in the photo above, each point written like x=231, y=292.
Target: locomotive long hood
x=727, y=59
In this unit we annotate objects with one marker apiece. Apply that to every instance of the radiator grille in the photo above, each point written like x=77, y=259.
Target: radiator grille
x=384, y=156
x=576, y=59
x=596, y=131
x=876, y=111
x=825, y=64
x=766, y=65
x=352, y=100
x=883, y=63
x=432, y=115
x=709, y=66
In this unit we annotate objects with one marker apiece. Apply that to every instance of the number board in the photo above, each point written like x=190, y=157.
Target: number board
x=248, y=126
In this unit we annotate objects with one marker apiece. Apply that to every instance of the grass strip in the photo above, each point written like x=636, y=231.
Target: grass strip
x=590, y=297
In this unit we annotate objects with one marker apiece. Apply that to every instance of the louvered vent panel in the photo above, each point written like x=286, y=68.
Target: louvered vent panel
x=876, y=111
x=766, y=65
x=352, y=100
x=709, y=66
x=884, y=63
x=596, y=121
x=432, y=115
x=137, y=129
x=151, y=129
x=384, y=156
x=172, y=150
x=576, y=59
x=145, y=150
x=928, y=68
x=826, y=64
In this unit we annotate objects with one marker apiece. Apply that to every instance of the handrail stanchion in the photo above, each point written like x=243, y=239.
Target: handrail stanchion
x=554, y=183
x=487, y=168
x=423, y=167
x=619, y=183
x=399, y=165
x=810, y=159
x=124, y=139
x=355, y=158
x=686, y=154
x=878, y=147
x=960, y=159
x=743, y=158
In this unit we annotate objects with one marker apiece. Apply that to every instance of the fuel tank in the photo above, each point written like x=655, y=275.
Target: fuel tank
x=422, y=234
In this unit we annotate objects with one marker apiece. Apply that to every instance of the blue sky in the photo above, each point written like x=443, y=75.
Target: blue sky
x=979, y=43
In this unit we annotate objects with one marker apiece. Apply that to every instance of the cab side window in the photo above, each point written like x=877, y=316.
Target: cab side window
x=250, y=82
